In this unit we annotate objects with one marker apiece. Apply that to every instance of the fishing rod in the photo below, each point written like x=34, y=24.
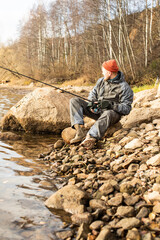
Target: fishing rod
x=50, y=85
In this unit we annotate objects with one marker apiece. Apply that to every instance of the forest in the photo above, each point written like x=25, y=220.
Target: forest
x=72, y=38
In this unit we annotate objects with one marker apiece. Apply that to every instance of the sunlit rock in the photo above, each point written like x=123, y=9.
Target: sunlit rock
x=43, y=110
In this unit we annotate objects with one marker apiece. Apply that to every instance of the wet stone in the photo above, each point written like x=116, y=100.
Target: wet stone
x=65, y=234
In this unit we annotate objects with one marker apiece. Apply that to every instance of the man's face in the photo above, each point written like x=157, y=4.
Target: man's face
x=106, y=74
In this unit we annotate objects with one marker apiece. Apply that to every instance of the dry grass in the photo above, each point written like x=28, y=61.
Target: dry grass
x=81, y=81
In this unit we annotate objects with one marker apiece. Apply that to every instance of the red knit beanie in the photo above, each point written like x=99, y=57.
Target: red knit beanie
x=110, y=65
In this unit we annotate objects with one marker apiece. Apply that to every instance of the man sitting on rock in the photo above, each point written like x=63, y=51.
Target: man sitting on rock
x=110, y=99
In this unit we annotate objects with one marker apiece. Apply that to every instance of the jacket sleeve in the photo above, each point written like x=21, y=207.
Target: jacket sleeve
x=93, y=95
x=126, y=98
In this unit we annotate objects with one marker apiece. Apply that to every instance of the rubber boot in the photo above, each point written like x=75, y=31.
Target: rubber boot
x=80, y=134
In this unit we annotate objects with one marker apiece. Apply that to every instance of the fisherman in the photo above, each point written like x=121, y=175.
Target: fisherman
x=109, y=100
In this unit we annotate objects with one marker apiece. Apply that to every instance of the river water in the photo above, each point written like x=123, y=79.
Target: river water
x=23, y=214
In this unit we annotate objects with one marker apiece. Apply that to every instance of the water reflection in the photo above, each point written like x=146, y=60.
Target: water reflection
x=22, y=211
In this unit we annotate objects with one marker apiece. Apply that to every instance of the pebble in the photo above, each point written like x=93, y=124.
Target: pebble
x=121, y=179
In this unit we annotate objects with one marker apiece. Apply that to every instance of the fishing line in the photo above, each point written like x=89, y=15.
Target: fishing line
x=50, y=85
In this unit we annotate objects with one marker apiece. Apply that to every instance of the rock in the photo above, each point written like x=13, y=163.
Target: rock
x=151, y=197
x=135, y=143
x=142, y=213
x=65, y=234
x=158, y=180
x=43, y=110
x=133, y=168
x=104, y=233
x=68, y=134
x=128, y=223
x=83, y=231
x=131, y=200
x=115, y=201
x=133, y=234
x=156, y=208
x=156, y=187
x=81, y=218
x=154, y=161
x=45, y=184
x=69, y=198
x=96, y=225
x=149, y=127
x=106, y=188
x=9, y=136
x=140, y=115
x=125, y=211
x=97, y=204
x=59, y=144
x=147, y=236
x=126, y=188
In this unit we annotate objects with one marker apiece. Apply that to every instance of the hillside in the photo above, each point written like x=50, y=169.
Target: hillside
x=57, y=48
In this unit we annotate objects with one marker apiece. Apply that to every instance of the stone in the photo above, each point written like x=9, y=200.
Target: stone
x=156, y=187
x=83, y=231
x=45, y=184
x=143, y=212
x=156, y=208
x=106, y=189
x=126, y=188
x=115, y=201
x=67, y=134
x=154, y=161
x=133, y=168
x=104, y=233
x=96, y=225
x=80, y=218
x=59, y=144
x=152, y=196
x=97, y=204
x=9, y=136
x=69, y=198
x=149, y=127
x=128, y=223
x=64, y=234
x=147, y=236
x=133, y=234
x=43, y=110
x=131, y=200
x=140, y=115
x=125, y=211
x=135, y=143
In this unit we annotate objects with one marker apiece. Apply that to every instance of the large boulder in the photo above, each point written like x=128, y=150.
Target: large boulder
x=43, y=110
x=146, y=108
x=69, y=198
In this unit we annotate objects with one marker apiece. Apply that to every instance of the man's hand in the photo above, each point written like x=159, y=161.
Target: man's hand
x=94, y=107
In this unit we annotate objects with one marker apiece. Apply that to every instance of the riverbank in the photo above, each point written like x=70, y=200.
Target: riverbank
x=121, y=179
